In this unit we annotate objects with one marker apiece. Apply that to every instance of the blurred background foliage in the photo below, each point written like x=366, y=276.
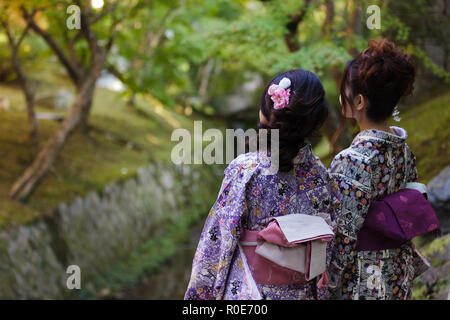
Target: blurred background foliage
x=84, y=107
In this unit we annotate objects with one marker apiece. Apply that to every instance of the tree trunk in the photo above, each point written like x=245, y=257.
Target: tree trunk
x=97, y=65
x=132, y=100
x=329, y=17
x=32, y=119
x=205, y=75
x=84, y=118
x=26, y=86
x=29, y=98
x=290, y=38
x=26, y=184
x=352, y=26
x=338, y=140
x=84, y=81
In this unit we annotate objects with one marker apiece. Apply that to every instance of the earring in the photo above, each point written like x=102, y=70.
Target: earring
x=395, y=114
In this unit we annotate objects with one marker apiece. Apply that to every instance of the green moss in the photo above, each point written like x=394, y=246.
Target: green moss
x=434, y=251
x=429, y=135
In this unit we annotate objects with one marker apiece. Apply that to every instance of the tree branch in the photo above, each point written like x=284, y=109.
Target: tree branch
x=292, y=26
x=72, y=70
x=110, y=8
x=86, y=29
x=29, y=93
x=329, y=17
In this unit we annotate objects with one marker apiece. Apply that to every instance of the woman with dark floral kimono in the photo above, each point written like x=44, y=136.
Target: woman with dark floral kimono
x=293, y=102
x=377, y=163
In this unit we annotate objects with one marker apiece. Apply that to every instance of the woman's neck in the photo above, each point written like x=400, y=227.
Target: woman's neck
x=369, y=125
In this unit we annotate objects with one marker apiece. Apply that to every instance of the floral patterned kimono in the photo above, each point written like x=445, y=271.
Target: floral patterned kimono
x=375, y=164
x=248, y=199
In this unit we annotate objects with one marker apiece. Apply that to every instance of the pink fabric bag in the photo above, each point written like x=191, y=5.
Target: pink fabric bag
x=290, y=250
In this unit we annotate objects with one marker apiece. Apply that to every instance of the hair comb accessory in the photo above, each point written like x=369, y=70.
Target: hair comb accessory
x=279, y=93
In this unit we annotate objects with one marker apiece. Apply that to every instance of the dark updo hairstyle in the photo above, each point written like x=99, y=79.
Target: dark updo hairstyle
x=382, y=73
x=300, y=118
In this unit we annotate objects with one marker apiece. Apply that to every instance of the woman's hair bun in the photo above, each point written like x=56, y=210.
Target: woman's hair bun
x=383, y=73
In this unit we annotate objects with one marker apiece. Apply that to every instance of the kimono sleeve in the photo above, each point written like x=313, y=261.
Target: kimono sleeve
x=420, y=263
x=220, y=236
x=411, y=166
x=354, y=181
x=331, y=206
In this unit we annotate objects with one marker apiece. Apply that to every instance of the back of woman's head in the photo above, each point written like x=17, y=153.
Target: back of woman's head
x=382, y=73
x=299, y=118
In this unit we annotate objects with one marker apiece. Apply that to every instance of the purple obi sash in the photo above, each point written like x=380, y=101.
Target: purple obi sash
x=395, y=219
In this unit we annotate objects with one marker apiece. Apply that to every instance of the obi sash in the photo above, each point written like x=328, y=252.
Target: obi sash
x=397, y=218
x=290, y=250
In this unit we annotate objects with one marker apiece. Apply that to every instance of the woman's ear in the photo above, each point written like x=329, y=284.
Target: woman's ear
x=262, y=118
x=360, y=102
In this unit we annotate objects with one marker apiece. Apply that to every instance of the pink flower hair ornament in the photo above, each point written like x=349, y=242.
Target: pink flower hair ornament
x=279, y=93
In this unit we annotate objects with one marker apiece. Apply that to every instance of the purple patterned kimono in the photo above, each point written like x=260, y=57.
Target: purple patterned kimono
x=247, y=200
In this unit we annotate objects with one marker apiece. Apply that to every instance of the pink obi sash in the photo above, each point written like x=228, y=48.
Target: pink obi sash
x=290, y=250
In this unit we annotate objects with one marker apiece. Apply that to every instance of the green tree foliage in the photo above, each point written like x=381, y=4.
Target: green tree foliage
x=180, y=39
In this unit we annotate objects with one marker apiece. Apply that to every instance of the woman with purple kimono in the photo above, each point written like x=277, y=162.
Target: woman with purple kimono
x=377, y=163
x=249, y=198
